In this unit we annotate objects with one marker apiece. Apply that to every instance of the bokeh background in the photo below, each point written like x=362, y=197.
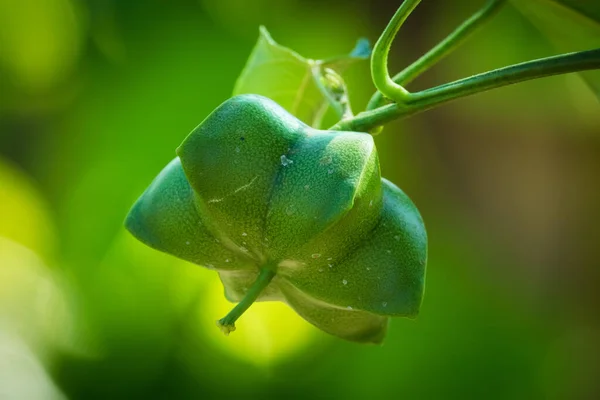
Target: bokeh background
x=95, y=95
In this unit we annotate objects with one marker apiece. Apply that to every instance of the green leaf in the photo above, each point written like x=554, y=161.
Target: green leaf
x=284, y=76
x=361, y=51
x=589, y=8
x=294, y=82
x=570, y=25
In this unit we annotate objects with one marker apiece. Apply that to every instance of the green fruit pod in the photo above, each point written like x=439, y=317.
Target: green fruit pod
x=286, y=212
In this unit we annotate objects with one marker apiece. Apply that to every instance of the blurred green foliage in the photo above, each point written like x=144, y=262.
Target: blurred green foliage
x=569, y=25
x=96, y=95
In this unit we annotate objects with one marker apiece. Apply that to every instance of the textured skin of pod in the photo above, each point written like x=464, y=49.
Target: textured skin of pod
x=385, y=274
x=165, y=218
x=254, y=186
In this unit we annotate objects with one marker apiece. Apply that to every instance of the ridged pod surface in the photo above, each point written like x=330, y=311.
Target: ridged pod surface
x=254, y=188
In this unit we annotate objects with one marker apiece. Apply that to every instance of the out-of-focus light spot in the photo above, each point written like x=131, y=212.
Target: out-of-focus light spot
x=23, y=214
x=33, y=303
x=267, y=333
x=22, y=375
x=105, y=31
x=39, y=41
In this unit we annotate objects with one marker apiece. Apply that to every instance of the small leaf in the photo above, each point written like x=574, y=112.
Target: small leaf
x=281, y=74
x=361, y=52
x=362, y=49
x=284, y=76
x=569, y=25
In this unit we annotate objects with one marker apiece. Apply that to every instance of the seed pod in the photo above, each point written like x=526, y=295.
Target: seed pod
x=286, y=212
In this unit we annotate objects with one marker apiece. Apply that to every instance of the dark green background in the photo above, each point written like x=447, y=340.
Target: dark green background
x=96, y=95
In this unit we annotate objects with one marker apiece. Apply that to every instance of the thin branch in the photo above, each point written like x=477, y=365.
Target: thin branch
x=426, y=99
x=442, y=49
x=379, y=59
x=227, y=324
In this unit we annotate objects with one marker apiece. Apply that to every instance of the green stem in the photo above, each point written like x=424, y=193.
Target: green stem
x=426, y=99
x=227, y=324
x=442, y=49
x=379, y=58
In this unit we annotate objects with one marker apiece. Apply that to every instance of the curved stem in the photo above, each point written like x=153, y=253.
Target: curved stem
x=379, y=59
x=442, y=49
x=426, y=99
x=227, y=324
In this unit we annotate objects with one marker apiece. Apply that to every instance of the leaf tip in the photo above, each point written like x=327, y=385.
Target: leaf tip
x=362, y=49
x=263, y=33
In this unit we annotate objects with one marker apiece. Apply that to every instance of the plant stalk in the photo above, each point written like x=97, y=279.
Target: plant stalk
x=227, y=324
x=442, y=49
x=430, y=98
x=379, y=59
